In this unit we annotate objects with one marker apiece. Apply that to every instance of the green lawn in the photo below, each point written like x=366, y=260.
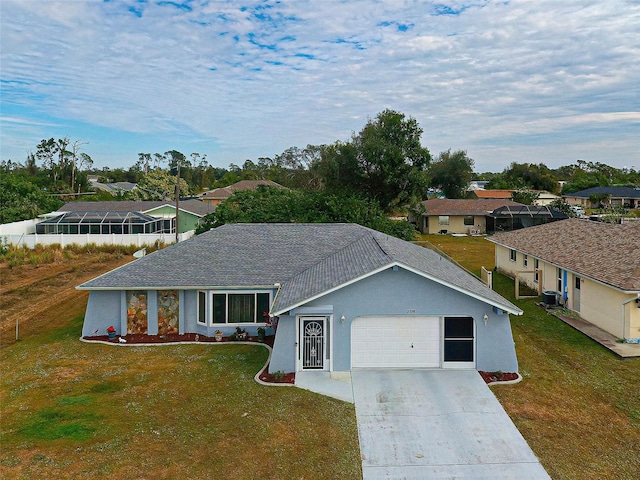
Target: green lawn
x=578, y=406
x=76, y=410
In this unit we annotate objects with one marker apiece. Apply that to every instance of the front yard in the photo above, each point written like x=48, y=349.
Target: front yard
x=76, y=410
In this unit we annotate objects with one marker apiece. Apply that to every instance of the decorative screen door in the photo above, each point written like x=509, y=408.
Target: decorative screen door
x=312, y=334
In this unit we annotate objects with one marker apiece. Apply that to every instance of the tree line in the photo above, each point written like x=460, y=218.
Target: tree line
x=384, y=164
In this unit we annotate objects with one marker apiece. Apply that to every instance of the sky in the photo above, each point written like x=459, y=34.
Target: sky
x=537, y=81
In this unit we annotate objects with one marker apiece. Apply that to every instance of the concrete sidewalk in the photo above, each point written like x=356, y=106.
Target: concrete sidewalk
x=336, y=385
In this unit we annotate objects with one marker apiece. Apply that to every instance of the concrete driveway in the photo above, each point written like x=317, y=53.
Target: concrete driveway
x=424, y=424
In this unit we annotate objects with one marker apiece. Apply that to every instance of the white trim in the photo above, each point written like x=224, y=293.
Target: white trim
x=334, y=289
x=220, y=288
x=254, y=292
x=410, y=269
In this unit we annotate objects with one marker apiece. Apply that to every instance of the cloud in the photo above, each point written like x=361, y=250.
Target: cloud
x=252, y=78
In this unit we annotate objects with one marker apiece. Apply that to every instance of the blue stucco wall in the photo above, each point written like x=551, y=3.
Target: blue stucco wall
x=404, y=293
x=283, y=357
x=103, y=309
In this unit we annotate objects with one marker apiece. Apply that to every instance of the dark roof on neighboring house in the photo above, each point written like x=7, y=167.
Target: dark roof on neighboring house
x=615, y=192
x=196, y=207
x=445, y=206
x=538, y=211
x=608, y=253
x=225, y=192
x=306, y=260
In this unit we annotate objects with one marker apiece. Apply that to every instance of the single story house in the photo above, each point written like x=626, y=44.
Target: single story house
x=593, y=268
x=544, y=198
x=216, y=196
x=127, y=217
x=344, y=297
x=443, y=215
x=628, y=197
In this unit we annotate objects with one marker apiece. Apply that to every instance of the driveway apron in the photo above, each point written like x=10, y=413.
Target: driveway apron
x=435, y=424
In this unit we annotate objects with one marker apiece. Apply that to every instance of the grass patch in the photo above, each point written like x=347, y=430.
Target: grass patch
x=57, y=424
x=71, y=409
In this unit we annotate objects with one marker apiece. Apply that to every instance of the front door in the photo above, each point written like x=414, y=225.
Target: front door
x=313, y=341
x=576, y=294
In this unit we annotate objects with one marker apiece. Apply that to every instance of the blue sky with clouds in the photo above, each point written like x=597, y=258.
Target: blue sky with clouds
x=522, y=80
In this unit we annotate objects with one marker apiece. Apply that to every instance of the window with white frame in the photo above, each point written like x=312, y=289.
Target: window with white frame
x=235, y=307
x=525, y=260
x=468, y=220
x=536, y=266
x=443, y=220
x=512, y=255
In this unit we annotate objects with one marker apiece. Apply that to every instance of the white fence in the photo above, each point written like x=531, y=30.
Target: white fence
x=487, y=277
x=20, y=228
x=138, y=239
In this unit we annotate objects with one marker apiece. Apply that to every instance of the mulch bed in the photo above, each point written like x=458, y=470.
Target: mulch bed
x=137, y=339
x=492, y=377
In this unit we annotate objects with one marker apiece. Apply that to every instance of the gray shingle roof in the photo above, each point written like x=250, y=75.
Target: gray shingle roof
x=307, y=260
x=605, y=252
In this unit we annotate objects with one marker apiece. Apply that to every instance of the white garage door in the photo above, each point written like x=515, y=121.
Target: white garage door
x=395, y=342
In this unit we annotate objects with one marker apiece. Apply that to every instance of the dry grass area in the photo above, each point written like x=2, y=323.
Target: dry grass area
x=70, y=409
x=579, y=405
x=41, y=296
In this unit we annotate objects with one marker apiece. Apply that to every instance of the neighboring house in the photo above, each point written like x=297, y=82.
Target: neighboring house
x=593, y=267
x=217, y=196
x=493, y=194
x=345, y=296
x=124, y=217
x=544, y=198
x=443, y=215
x=627, y=197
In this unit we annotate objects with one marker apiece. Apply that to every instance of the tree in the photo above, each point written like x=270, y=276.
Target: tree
x=526, y=176
x=20, y=199
x=277, y=205
x=452, y=172
x=561, y=205
x=385, y=161
x=600, y=200
x=78, y=160
x=526, y=197
x=158, y=185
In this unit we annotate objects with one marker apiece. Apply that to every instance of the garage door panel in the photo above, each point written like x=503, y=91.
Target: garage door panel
x=395, y=342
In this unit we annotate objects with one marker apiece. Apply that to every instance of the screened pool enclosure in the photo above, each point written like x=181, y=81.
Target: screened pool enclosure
x=105, y=223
